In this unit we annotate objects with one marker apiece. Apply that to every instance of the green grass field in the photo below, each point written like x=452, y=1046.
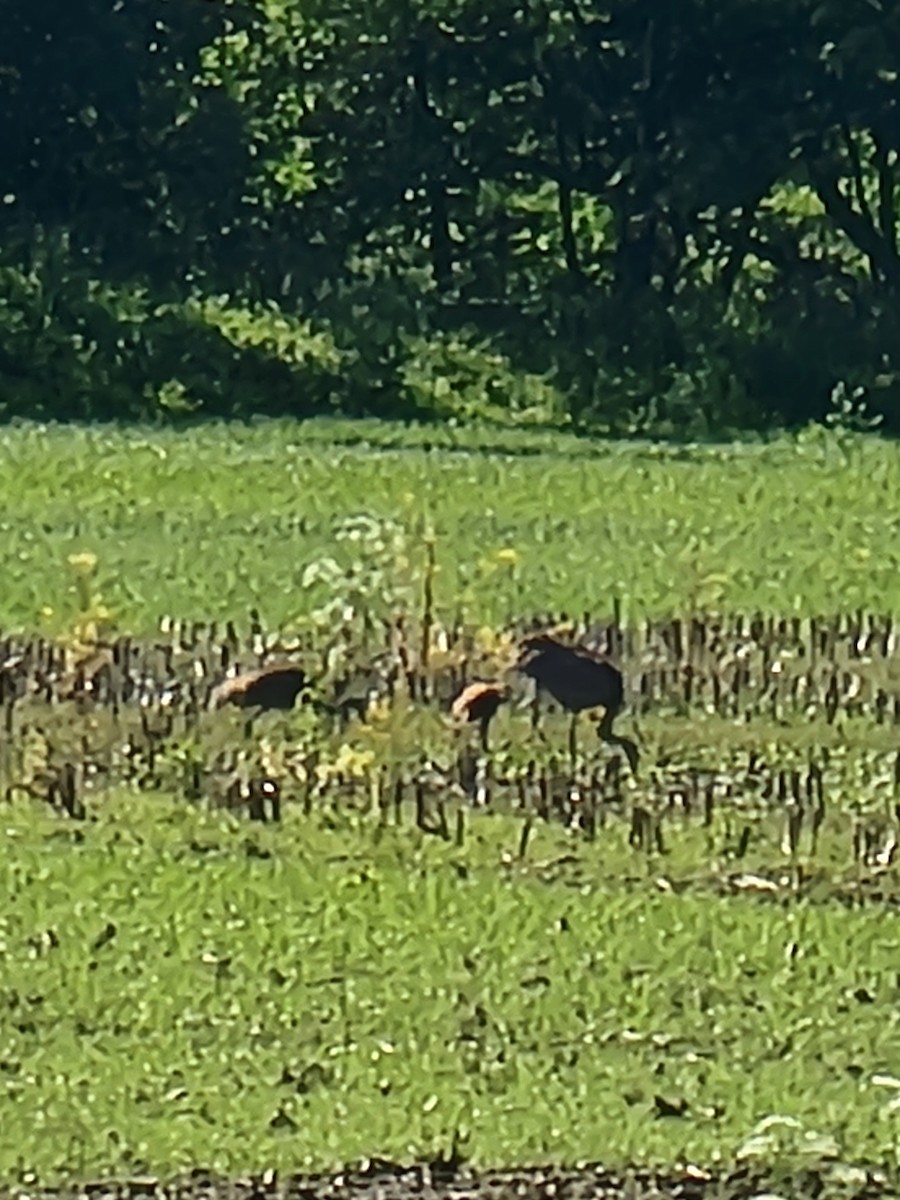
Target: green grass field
x=182, y=988
x=180, y=993
x=209, y=522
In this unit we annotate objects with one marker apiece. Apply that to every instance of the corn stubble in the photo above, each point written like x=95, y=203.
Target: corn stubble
x=745, y=723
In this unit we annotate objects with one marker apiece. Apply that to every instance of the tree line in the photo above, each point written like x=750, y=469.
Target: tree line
x=625, y=214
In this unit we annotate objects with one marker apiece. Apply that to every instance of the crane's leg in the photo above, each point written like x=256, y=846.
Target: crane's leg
x=573, y=739
x=604, y=727
x=536, y=710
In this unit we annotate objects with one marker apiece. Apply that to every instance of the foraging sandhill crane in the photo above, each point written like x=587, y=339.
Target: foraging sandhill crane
x=479, y=702
x=578, y=679
x=274, y=686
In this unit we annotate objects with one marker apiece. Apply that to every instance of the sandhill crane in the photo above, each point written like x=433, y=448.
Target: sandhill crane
x=577, y=680
x=479, y=702
x=275, y=686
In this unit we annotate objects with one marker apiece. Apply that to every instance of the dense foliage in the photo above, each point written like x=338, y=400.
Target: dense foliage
x=624, y=213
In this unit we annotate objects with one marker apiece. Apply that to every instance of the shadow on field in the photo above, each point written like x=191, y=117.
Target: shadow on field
x=216, y=369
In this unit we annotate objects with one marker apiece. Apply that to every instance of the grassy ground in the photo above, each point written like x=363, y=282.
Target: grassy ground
x=180, y=991
x=208, y=522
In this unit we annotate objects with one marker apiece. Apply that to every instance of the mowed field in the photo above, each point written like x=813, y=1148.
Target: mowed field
x=696, y=964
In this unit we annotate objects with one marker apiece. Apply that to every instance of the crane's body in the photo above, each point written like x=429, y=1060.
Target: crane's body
x=578, y=680
x=575, y=679
x=272, y=687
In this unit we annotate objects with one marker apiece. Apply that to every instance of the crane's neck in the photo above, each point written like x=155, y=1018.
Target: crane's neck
x=605, y=732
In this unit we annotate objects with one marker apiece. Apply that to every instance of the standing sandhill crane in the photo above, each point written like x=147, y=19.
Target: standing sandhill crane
x=479, y=702
x=275, y=686
x=577, y=680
